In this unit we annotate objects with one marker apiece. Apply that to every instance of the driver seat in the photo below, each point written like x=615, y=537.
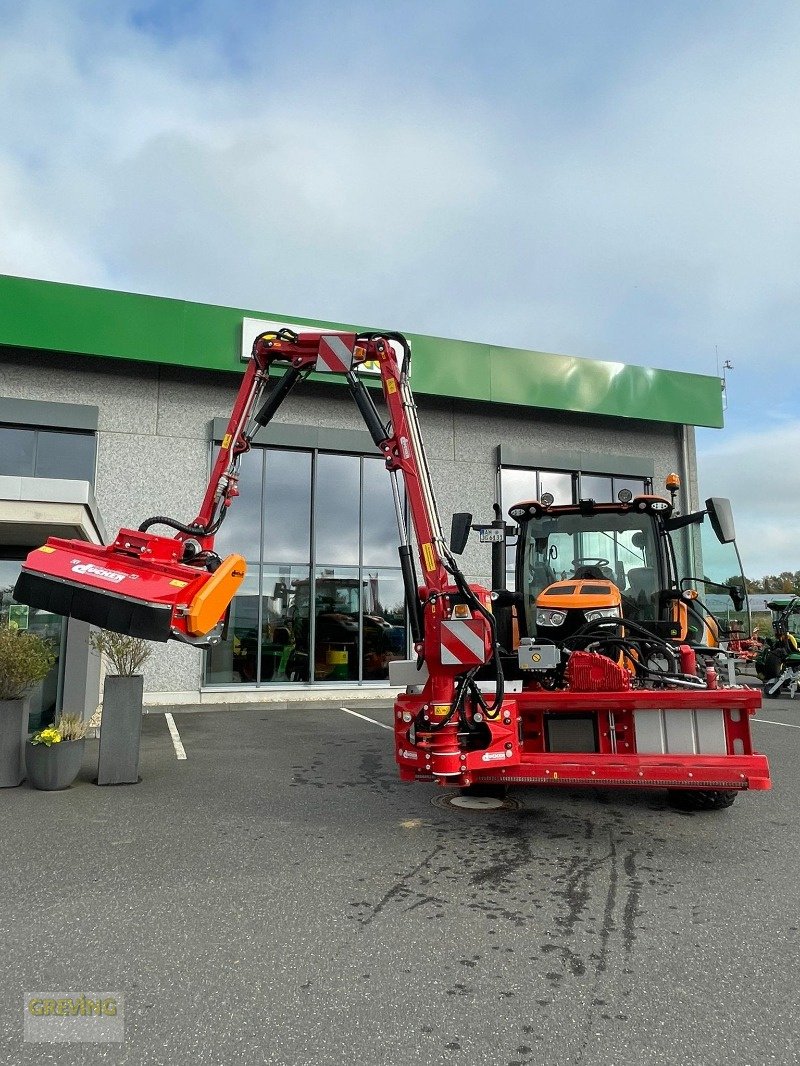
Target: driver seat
x=595, y=573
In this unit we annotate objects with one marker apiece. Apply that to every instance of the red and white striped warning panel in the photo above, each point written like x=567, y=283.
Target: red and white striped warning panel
x=463, y=642
x=334, y=354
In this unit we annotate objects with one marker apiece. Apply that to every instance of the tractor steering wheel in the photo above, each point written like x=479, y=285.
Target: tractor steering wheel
x=590, y=560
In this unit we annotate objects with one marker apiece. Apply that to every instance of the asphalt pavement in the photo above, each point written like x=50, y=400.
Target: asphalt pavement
x=278, y=896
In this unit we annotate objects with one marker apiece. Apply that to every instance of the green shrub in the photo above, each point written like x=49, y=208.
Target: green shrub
x=25, y=659
x=126, y=655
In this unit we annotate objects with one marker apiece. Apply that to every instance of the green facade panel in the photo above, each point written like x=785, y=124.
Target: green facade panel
x=56, y=317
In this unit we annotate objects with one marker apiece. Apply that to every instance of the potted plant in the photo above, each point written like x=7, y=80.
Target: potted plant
x=53, y=755
x=25, y=660
x=121, y=723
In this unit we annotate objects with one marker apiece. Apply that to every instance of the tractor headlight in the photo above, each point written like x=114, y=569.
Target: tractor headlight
x=546, y=617
x=603, y=612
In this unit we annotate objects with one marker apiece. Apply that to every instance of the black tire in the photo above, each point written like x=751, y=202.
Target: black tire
x=690, y=799
x=769, y=667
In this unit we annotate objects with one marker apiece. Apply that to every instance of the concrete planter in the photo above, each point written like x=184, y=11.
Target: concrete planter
x=120, y=730
x=56, y=767
x=13, y=734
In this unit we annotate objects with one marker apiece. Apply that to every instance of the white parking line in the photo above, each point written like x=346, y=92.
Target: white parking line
x=766, y=721
x=180, y=751
x=357, y=715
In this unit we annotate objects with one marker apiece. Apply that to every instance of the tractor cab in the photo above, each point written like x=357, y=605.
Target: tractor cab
x=634, y=559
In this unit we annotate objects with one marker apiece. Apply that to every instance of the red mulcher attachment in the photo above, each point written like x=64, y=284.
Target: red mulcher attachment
x=149, y=586
x=162, y=587
x=137, y=585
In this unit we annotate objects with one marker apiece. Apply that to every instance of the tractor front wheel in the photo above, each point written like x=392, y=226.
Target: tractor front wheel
x=690, y=799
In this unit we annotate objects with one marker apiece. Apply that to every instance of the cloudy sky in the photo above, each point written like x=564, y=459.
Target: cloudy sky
x=605, y=178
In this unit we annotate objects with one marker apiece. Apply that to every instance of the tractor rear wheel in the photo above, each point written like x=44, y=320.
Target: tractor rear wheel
x=690, y=799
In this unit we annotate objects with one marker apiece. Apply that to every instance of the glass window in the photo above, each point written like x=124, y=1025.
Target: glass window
x=620, y=548
x=384, y=608
x=51, y=627
x=60, y=454
x=597, y=488
x=378, y=518
x=636, y=485
x=235, y=659
x=334, y=600
x=53, y=453
x=336, y=509
x=287, y=506
x=337, y=622
x=240, y=532
x=516, y=485
x=557, y=483
x=17, y=451
x=286, y=630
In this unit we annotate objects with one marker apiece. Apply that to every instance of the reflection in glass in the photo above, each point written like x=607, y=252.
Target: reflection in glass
x=597, y=488
x=559, y=485
x=17, y=448
x=65, y=455
x=287, y=506
x=240, y=533
x=385, y=607
x=378, y=519
x=516, y=485
x=285, y=632
x=336, y=507
x=234, y=660
x=345, y=604
x=274, y=636
x=633, y=484
x=50, y=627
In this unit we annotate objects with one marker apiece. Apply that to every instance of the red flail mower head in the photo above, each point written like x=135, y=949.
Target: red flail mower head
x=137, y=585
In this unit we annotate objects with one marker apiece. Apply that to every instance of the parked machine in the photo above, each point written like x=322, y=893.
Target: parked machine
x=778, y=662
x=601, y=669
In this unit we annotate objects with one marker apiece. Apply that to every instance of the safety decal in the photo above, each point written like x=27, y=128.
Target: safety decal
x=226, y=441
x=333, y=355
x=429, y=557
x=463, y=643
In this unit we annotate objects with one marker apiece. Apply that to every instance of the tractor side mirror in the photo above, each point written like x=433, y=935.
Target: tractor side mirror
x=459, y=531
x=737, y=595
x=721, y=518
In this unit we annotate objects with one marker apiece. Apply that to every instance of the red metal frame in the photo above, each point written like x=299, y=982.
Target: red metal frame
x=429, y=745
x=518, y=752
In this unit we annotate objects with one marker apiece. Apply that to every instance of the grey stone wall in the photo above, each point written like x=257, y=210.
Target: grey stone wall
x=154, y=453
